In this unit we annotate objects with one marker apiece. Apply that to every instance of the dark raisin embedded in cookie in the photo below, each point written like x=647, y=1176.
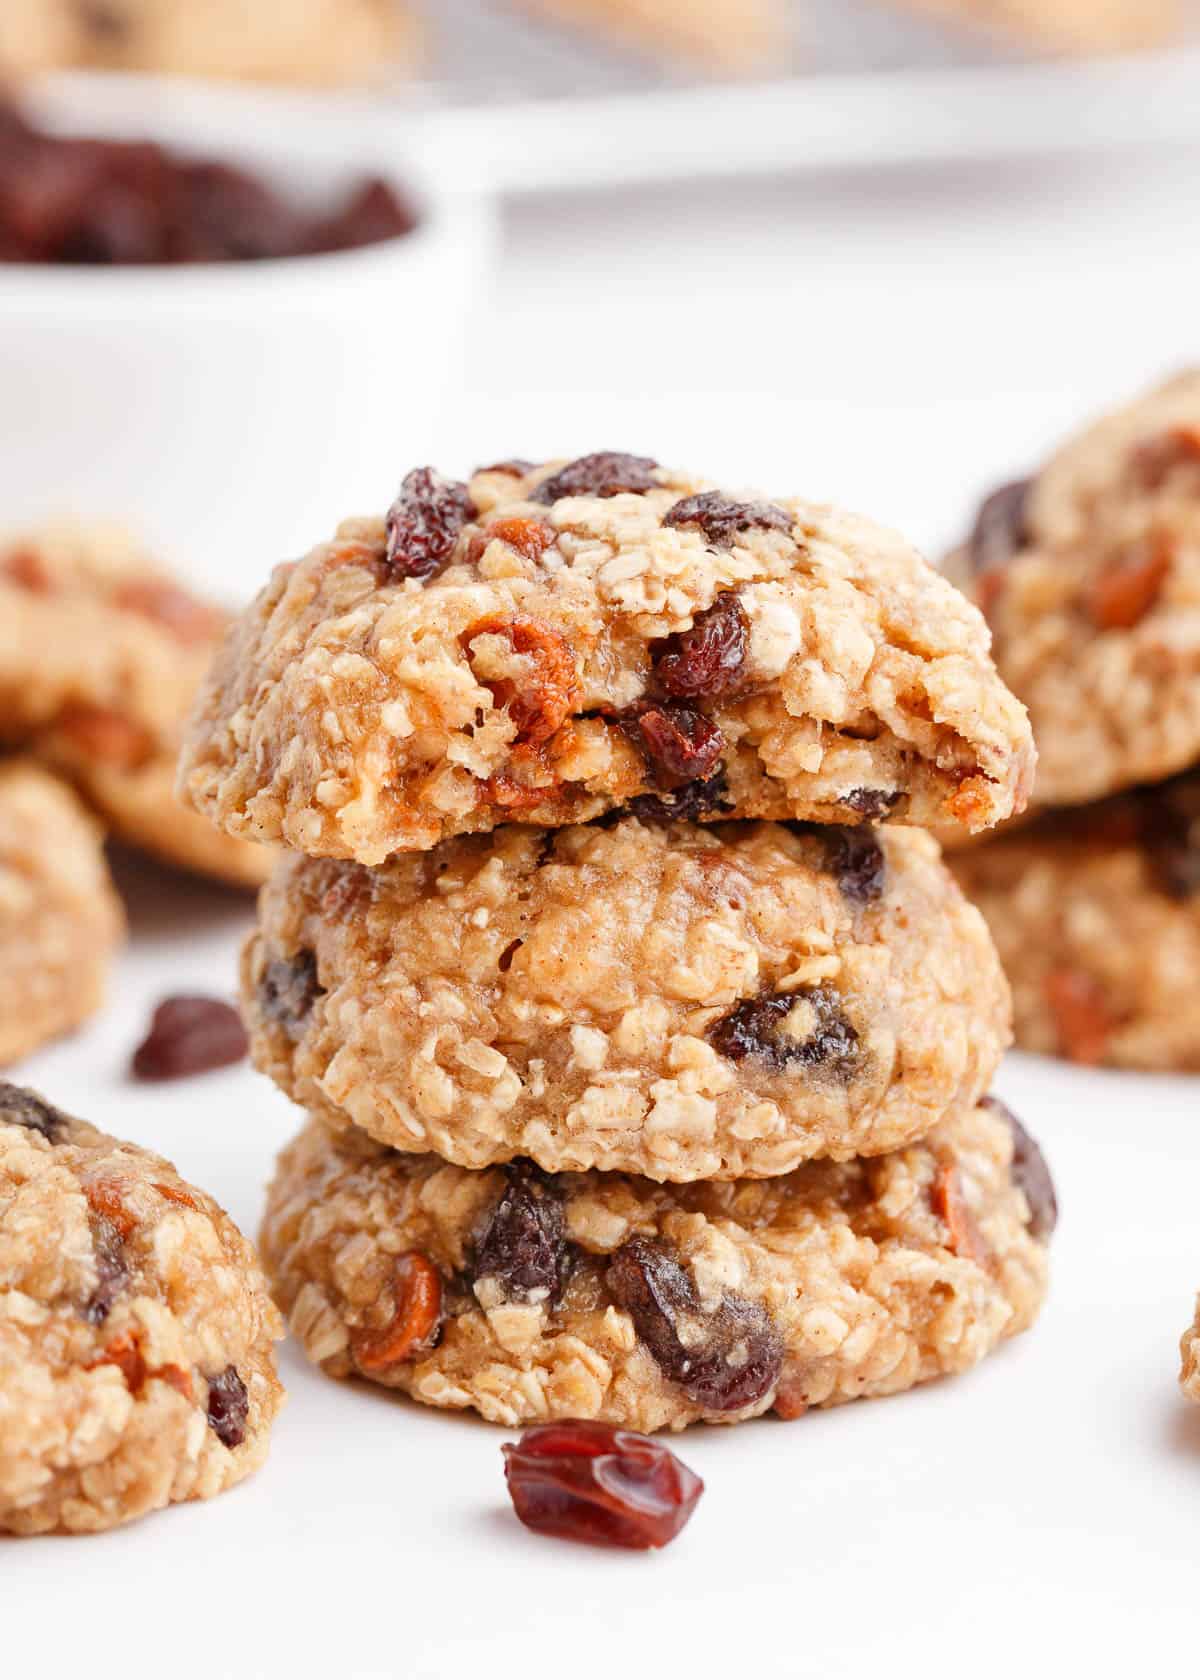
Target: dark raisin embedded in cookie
x=708, y=659
x=684, y=804
x=287, y=991
x=1169, y=829
x=523, y=1246
x=999, y=529
x=190, y=1035
x=228, y=1407
x=681, y=744
x=854, y=856
x=21, y=1107
x=722, y=1360
x=760, y=1030
x=721, y=520
x=871, y=804
x=607, y=473
x=112, y=1270
x=1030, y=1173
x=423, y=524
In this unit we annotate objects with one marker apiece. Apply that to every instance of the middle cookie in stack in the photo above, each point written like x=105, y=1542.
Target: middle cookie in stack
x=578, y=1091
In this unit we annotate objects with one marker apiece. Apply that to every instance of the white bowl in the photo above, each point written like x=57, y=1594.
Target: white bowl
x=232, y=413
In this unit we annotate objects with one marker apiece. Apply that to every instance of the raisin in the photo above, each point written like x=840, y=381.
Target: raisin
x=1126, y=591
x=20, y=1107
x=854, y=856
x=681, y=744
x=228, y=1407
x=540, y=700
x=754, y=1030
x=1000, y=526
x=605, y=474
x=710, y=657
x=687, y=803
x=523, y=1245
x=423, y=524
x=112, y=1271
x=1029, y=1173
x=373, y=213
x=952, y=1208
x=287, y=991
x=416, y=1317
x=871, y=804
x=582, y=1480
x=190, y=1035
x=723, y=1360
x=1169, y=832
x=721, y=520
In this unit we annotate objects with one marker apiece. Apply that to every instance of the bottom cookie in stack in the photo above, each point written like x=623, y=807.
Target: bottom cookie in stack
x=1095, y=910
x=532, y=1296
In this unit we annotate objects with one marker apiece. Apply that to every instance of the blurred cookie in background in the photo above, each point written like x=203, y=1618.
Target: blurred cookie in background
x=1068, y=26
x=100, y=654
x=304, y=41
x=60, y=918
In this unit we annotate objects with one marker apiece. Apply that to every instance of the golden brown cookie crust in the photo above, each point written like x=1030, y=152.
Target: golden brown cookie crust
x=136, y=1364
x=666, y=999
x=530, y=676
x=1189, y=1349
x=828, y=1284
x=60, y=919
x=1093, y=594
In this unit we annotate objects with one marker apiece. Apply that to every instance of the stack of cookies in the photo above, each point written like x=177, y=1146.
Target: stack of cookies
x=1089, y=573
x=644, y=1051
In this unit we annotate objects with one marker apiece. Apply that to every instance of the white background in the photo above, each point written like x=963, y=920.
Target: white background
x=897, y=341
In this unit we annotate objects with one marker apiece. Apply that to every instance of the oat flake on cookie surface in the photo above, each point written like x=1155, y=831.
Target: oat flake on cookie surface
x=601, y=1295
x=662, y=998
x=542, y=644
x=136, y=1331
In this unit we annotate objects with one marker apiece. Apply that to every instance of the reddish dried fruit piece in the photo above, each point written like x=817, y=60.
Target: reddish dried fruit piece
x=417, y=1294
x=190, y=621
x=24, y=567
x=951, y=1206
x=607, y=473
x=709, y=658
x=228, y=1407
x=1124, y=593
x=724, y=1359
x=424, y=523
x=19, y=1107
x=581, y=1480
x=754, y=1030
x=287, y=991
x=1081, y=1015
x=1000, y=527
x=190, y=1035
x=1156, y=458
x=539, y=701
x=530, y=537
x=721, y=520
x=1029, y=1173
x=125, y=1352
x=681, y=744
x=511, y=795
x=373, y=213
x=524, y=1246
x=106, y=736
x=1168, y=829
x=685, y=804
x=789, y=1402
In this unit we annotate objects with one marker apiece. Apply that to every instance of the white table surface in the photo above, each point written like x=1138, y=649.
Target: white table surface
x=897, y=342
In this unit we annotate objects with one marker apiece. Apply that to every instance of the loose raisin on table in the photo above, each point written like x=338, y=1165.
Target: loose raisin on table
x=524, y=1246
x=709, y=658
x=607, y=473
x=684, y=804
x=228, y=1407
x=287, y=991
x=754, y=1030
x=724, y=1359
x=1000, y=528
x=721, y=520
x=582, y=1480
x=423, y=524
x=21, y=1107
x=855, y=858
x=1030, y=1173
x=681, y=744
x=190, y=1035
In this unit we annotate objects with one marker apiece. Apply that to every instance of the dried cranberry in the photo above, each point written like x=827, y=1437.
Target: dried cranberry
x=685, y=804
x=710, y=657
x=287, y=991
x=721, y=520
x=1029, y=1173
x=112, y=1270
x=424, y=522
x=1169, y=829
x=228, y=1407
x=580, y=1480
x=680, y=742
x=724, y=1359
x=605, y=474
x=20, y=1107
x=523, y=1245
x=1000, y=528
x=754, y=1031
x=854, y=856
x=190, y=1035
x=871, y=804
